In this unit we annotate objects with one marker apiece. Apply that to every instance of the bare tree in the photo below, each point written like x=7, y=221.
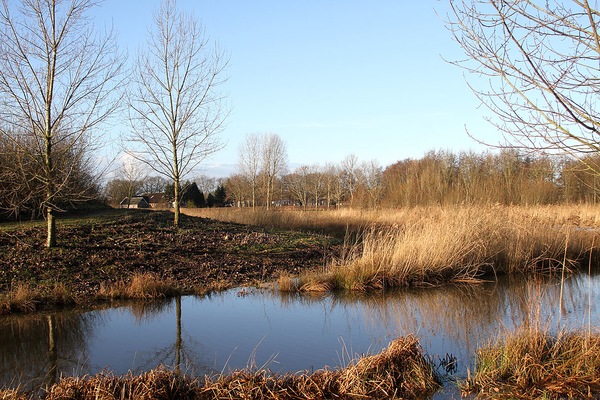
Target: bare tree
x=274, y=162
x=249, y=161
x=349, y=178
x=206, y=184
x=238, y=190
x=333, y=184
x=175, y=107
x=542, y=60
x=316, y=183
x=56, y=79
x=370, y=178
x=298, y=185
x=133, y=176
x=153, y=184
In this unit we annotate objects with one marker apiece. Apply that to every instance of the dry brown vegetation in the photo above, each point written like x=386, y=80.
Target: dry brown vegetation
x=141, y=286
x=399, y=371
x=25, y=298
x=431, y=245
x=534, y=364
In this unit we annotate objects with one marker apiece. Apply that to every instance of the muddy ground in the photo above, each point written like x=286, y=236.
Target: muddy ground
x=203, y=254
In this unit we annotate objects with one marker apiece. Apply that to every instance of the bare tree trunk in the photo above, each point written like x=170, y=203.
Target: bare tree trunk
x=176, y=204
x=51, y=238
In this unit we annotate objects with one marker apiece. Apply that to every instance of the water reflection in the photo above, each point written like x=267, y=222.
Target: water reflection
x=33, y=349
x=200, y=335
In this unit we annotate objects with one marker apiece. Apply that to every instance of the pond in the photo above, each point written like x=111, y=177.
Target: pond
x=285, y=332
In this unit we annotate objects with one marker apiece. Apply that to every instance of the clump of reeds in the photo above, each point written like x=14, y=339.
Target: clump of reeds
x=534, y=364
x=140, y=286
x=19, y=298
x=12, y=394
x=286, y=283
x=399, y=371
x=63, y=295
x=24, y=298
x=457, y=245
x=157, y=384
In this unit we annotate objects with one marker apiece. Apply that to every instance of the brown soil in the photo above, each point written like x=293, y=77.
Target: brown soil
x=203, y=255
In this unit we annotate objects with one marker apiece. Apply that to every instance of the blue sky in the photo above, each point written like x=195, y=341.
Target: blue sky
x=331, y=77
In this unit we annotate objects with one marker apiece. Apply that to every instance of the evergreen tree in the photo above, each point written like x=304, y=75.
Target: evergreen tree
x=210, y=200
x=220, y=196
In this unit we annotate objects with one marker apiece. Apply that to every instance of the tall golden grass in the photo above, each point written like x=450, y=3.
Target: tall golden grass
x=340, y=221
x=140, y=286
x=24, y=298
x=534, y=364
x=419, y=245
x=460, y=244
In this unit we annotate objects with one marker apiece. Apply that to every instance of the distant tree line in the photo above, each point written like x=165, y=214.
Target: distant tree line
x=438, y=178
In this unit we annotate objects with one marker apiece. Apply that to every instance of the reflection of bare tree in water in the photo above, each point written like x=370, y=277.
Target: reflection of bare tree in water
x=465, y=314
x=36, y=350
x=185, y=350
x=51, y=377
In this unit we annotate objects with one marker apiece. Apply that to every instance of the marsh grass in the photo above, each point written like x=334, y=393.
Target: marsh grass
x=20, y=298
x=25, y=298
x=453, y=245
x=335, y=222
x=10, y=394
x=399, y=371
x=338, y=222
x=140, y=286
x=534, y=364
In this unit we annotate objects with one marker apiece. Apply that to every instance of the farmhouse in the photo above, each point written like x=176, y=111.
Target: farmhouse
x=136, y=202
x=155, y=200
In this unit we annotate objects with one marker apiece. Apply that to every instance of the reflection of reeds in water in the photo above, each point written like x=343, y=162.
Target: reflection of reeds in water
x=399, y=371
x=462, y=314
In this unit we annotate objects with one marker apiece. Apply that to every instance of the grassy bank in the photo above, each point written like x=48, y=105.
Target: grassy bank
x=137, y=254
x=399, y=371
x=533, y=364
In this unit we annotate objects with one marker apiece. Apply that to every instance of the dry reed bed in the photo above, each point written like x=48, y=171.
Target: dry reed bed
x=399, y=371
x=340, y=221
x=143, y=286
x=533, y=364
x=437, y=245
x=24, y=298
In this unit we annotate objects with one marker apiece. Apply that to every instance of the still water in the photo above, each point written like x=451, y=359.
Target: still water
x=285, y=332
